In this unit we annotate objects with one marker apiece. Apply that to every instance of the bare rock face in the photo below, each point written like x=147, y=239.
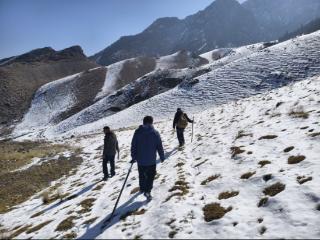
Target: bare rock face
x=22, y=75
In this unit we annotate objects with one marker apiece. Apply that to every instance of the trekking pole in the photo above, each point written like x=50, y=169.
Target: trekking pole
x=115, y=206
x=192, y=129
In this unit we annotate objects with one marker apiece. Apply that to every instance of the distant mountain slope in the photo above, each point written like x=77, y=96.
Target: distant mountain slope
x=22, y=75
x=223, y=23
x=305, y=29
x=102, y=91
x=276, y=17
x=270, y=68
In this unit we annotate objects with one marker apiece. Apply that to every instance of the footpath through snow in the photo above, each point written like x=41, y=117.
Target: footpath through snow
x=252, y=171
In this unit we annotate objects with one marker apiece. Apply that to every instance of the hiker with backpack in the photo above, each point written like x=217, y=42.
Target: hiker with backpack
x=146, y=142
x=110, y=148
x=180, y=123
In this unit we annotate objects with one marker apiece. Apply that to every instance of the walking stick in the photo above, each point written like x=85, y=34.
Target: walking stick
x=115, y=206
x=192, y=129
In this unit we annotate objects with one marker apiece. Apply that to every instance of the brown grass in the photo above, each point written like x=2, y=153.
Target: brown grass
x=38, y=227
x=210, y=179
x=303, y=179
x=214, y=211
x=296, y=159
x=315, y=134
x=235, y=151
x=180, y=164
x=274, y=189
x=299, y=114
x=247, y=175
x=242, y=134
x=18, y=186
x=288, y=149
x=37, y=214
x=86, y=205
x=66, y=224
x=19, y=231
x=226, y=195
x=268, y=137
x=263, y=163
x=263, y=201
x=14, y=155
x=172, y=234
x=71, y=235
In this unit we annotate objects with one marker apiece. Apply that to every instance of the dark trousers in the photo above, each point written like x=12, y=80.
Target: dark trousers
x=106, y=159
x=146, y=177
x=180, y=136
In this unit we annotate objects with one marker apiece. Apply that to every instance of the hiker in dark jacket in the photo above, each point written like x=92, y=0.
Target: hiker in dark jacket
x=146, y=142
x=180, y=122
x=110, y=148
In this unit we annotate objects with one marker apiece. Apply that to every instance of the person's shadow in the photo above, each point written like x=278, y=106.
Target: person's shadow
x=99, y=228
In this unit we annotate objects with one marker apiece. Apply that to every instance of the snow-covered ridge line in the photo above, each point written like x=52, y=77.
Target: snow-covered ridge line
x=257, y=73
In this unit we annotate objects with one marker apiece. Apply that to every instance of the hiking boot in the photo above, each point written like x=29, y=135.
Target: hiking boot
x=105, y=178
x=148, y=196
x=112, y=175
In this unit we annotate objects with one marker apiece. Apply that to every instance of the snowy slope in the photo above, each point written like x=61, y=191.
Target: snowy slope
x=273, y=67
x=289, y=115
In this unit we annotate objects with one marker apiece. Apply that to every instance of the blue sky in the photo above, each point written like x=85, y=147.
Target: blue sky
x=92, y=24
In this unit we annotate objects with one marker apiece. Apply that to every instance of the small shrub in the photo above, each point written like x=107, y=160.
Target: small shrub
x=235, y=151
x=226, y=195
x=214, y=211
x=262, y=230
x=263, y=202
x=299, y=114
x=288, y=149
x=296, y=159
x=247, y=175
x=274, y=189
x=268, y=137
x=210, y=179
x=172, y=234
x=263, y=163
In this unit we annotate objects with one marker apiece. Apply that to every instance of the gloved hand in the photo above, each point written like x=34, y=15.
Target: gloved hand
x=132, y=161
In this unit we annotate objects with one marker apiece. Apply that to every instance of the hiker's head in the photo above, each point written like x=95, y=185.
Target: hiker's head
x=148, y=120
x=179, y=110
x=106, y=129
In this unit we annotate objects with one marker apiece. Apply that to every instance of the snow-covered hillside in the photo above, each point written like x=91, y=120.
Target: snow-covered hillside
x=252, y=171
x=270, y=68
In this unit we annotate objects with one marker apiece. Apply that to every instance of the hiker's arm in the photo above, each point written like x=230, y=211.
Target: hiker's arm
x=160, y=148
x=134, y=147
x=189, y=120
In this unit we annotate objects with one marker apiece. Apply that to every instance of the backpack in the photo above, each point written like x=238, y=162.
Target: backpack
x=182, y=122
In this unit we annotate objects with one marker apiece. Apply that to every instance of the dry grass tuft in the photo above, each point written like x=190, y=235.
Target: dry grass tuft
x=38, y=227
x=303, y=179
x=86, y=205
x=226, y=195
x=299, y=114
x=274, y=189
x=89, y=221
x=263, y=202
x=214, y=211
x=235, y=151
x=268, y=137
x=247, y=175
x=288, y=149
x=135, y=190
x=66, y=224
x=263, y=163
x=296, y=159
x=133, y=213
x=210, y=179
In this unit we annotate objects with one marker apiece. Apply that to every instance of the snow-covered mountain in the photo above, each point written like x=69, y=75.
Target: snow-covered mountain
x=224, y=23
x=251, y=172
x=239, y=76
